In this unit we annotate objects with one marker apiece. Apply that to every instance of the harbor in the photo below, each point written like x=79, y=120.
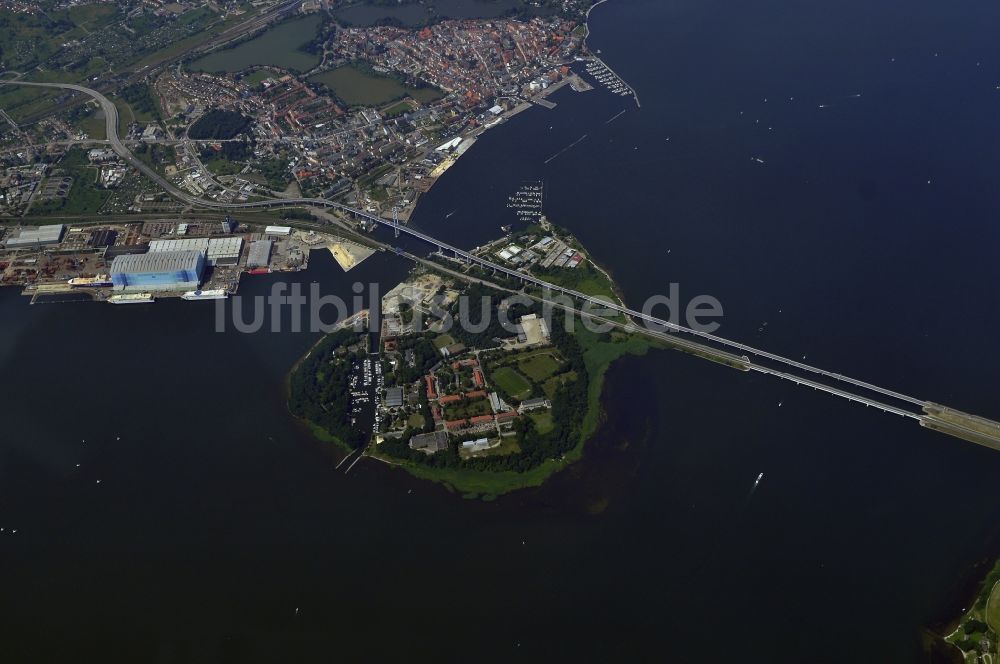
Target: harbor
x=140, y=262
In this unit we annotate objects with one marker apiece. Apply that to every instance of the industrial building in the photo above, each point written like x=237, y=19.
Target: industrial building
x=159, y=271
x=434, y=441
x=103, y=238
x=260, y=254
x=534, y=404
x=476, y=445
x=278, y=230
x=35, y=237
x=394, y=397
x=217, y=251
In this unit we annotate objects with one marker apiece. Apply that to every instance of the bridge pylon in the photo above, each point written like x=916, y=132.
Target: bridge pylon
x=395, y=220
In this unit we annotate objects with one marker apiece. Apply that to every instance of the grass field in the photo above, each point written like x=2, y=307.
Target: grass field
x=482, y=484
x=543, y=421
x=94, y=126
x=550, y=386
x=21, y=101
x=511, y=382
x=993, y=609
x=361, y=87
x=443, y=340
x=397, y=109
x=85, y=197
x=223, y=166
x=539, y=367
x=259, y=75
x=467, y=409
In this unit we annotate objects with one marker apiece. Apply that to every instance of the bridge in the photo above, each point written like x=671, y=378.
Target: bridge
x=940, y=418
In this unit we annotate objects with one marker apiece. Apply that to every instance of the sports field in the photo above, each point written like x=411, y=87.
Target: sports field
x=511, y=382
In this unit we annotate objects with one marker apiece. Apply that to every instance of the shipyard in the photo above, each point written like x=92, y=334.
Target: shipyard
x=138, y=262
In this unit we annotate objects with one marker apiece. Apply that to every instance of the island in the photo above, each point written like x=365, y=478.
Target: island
x=977, y=632
x=483, y=412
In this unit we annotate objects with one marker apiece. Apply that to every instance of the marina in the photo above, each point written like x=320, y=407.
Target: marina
x=609, y=79
x=527, y=202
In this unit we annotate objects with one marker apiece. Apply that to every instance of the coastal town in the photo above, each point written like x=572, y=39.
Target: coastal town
x=369, y=117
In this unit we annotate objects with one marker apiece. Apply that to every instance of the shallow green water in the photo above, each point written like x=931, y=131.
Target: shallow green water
x=357, y=87
x=277, y=47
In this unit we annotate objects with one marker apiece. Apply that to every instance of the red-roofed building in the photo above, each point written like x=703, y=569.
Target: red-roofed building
x=477, y=394
x=431, y=392
x=450, y=398
x=477, y=376
x=436, y=412
x=454, y=425
x=508, y=415
x=481, y=419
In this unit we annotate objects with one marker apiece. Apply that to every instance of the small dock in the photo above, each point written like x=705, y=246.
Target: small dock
x=577, y=84
x=544, y=103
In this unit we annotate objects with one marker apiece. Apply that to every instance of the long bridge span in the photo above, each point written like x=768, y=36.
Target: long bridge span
x=940, y=418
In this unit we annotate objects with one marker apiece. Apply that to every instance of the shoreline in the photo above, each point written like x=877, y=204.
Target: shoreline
x=586, y=36
x=598, y=351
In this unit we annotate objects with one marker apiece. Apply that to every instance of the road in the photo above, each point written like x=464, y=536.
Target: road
x=111, y=118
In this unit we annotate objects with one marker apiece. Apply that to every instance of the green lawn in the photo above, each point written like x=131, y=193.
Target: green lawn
x=360, y=86
x=224, y=166
x=482, y=484
x=993, y=608
x=259, y=75
x=539, y=367
x=397, y=109
x=443, y=340
x=550, y=386
x=511, y=382
x=84, y=197
x=95, y=127
x=467, y=409
x=543, y=420
x=21, y=101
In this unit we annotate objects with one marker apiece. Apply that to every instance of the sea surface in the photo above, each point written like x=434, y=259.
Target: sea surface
x=866, y=241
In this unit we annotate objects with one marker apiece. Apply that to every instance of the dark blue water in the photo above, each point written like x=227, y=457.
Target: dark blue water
x=837, y=241
x=217, y=516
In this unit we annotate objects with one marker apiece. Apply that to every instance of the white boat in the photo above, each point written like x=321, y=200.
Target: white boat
x=90, y=282
x=131, y=298
x=759, y=478
x=216, y=294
